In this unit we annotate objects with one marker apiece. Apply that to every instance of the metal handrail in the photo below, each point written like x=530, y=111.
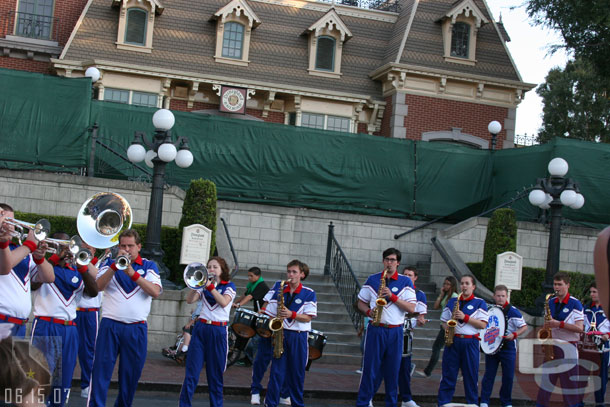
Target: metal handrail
x=38, y=26
x=236, y=269
x=382, y=5
x=338, y=267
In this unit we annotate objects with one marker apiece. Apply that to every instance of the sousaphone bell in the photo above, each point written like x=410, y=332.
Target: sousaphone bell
x=102, y=218
x=196, y=276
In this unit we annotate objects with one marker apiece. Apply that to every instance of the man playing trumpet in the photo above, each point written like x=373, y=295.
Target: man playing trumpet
x=462, y=319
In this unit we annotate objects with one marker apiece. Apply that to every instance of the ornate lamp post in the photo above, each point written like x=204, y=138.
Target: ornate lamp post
x=494, y=128
x=555, y=192
x=161, y=151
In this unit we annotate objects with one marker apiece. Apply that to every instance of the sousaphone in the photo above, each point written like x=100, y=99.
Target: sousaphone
x=102, y=218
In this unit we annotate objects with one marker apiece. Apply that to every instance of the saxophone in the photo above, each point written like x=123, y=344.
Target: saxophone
x=276, y=325
x=380, y=302
x=545, y=334
x=452, y=323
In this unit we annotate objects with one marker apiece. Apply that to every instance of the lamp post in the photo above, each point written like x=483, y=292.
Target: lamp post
x=94, y=74
x=554, y=193
x=494, y=128
x=161, y=151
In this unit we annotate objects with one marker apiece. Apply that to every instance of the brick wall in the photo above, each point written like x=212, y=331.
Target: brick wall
x=272, y=117
x=22, y=64
x=387, y=116
x=68, y=12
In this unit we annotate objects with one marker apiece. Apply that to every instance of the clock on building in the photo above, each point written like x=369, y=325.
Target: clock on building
x=233, y=100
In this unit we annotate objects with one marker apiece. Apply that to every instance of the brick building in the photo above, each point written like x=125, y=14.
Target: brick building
x=418, y=69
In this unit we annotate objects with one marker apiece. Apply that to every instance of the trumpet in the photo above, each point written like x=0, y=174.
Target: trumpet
x=112, y=253
x=81, y=257
x=41, y=229
x=123, y=261
x=196, y=275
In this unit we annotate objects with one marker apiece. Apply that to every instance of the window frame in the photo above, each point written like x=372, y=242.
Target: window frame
x=225, y=40
x=129, y=12
x=152, y=8
x=324, y=125
x=334, y=49
x=130, y=96
x=48, y=18
x=463, y=41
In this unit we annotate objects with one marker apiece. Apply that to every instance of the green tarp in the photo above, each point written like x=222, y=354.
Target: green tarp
x=45, y=120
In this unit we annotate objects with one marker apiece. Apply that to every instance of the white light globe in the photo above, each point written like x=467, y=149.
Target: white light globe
x=163, y=119
x=136, y=153
x=184, y=159
x=494, y=127
x=150, y=155
x=579, y=202
x=568, y=197
x=93, y=73
x=558, y=167
x=167, y=152
x=537, y=197
x=547, y=202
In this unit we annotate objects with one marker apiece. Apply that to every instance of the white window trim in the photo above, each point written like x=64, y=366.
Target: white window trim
x=464, y=12
x=237, y=11
x=152, y=7
x=299, y=121
x=130, y=97
x=330, y=25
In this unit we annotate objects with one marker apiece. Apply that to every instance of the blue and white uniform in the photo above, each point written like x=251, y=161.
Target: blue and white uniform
x=464, y=353
x=506, y=356
x=570, y=311
x=123, y=330
x=54, y=328
x=404, y=375
x=15, y=296
x=595, y=316
x=383, y=343
x=208, y=345
x=291, y=366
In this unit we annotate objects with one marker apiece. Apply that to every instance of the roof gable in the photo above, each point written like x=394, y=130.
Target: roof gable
x=238, y=7
x=467, y=7
x=331, y=20
x=155, y=5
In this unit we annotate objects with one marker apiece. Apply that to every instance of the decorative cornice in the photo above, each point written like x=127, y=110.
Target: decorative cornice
x=331, y=21
x=468, y=8
x=238, y=7
x=155, y=5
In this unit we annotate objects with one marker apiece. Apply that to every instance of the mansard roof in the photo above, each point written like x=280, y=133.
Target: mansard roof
x=331, y=21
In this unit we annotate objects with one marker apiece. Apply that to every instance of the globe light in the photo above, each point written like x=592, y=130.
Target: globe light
x=163, y=119
x=184, y=159
x=568, y=197
x=167, y=152
x=93, y=73
x=547, y=202
x=579, y=202
x=537, y=197
x=558, y=167
x=136, y=153
x=150, y=155
x=494, y=127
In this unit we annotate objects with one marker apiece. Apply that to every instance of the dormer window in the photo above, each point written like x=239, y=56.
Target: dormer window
x=136, y=24
x=326, y=39
x=234, y=26
x=460, y=26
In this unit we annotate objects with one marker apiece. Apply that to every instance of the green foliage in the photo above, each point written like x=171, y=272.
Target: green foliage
x=501, y=237
x=200, y=207
x=575, y=104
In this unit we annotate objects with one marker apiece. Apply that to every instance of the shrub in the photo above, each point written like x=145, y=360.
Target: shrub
x=200, y=207
x=501, y=237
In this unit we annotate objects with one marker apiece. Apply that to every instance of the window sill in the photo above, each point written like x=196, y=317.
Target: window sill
x=463, y=61
x=336, y=75
x=137, y=48
x=231, y=61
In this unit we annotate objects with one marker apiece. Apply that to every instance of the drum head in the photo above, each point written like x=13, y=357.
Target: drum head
x=492, y=335
x=316, y=341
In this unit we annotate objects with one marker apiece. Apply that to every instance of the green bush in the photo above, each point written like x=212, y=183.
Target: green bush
x=200, y=207
x=501, y=237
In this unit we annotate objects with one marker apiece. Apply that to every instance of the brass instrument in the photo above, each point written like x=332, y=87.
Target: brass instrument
x=102, y=218
x=196, y=275
x=112, y=253
x=41, y=229
x=276, y=325
x=545, y=334
x=122, y=262
x=80, y=256
x=452, y=323
x=380, y=302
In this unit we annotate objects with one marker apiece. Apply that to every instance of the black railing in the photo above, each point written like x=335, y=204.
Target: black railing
x=382, y=5
x=37, y=26
x=338, y=267
x=525, y=140
x=226, y=229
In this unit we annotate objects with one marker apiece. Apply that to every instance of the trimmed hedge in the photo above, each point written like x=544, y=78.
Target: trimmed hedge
x=200, y=207
x=501, y=237
x=531, y=283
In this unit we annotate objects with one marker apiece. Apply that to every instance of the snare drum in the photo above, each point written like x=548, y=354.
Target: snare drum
x=407, y=344
x=316, y=341
x=262, y=325
x=244, y=323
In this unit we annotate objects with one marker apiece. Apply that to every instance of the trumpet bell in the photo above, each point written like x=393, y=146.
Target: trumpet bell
x=195, y=275
x=83, y=257
x=122, y=262
x=102, y=218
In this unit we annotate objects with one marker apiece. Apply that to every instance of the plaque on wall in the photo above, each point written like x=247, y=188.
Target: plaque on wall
x=233, y=100
x=196, y=241
x=508, y=270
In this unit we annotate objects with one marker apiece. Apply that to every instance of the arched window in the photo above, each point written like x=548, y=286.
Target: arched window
x=135, y=31
x=460, y=39
x=233, y=40
x=325, y=53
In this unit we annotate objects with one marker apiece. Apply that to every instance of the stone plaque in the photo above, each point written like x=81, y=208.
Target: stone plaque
x=508, y=270
x=196, y=241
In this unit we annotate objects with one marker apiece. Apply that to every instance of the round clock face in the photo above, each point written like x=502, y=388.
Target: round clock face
x=233, y=100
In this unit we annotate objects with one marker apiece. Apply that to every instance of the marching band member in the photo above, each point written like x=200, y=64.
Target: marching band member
x=17, y=265
x=506, y=356
x=123, y=330
x=463, y=354
x=566, y=324
x=209, y=340
x=299, y=308
x=596, y=321
x=384, y=335
x=54, y=327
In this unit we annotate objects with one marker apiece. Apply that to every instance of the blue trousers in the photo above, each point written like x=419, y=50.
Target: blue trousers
x=262, y=359
x=114, y=338
x=17, y=331
x=382, y=354
x=208, y=345
x=59, y=344
x=404, y=379
x=462, y=355
x=506, y=358
x=289, y=370
x=86, y=324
